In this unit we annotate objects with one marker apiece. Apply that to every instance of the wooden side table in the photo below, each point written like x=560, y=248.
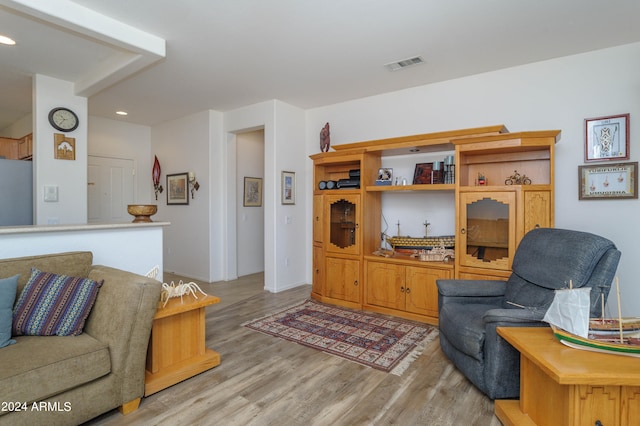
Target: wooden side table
x=177, y=347
x=565, y=386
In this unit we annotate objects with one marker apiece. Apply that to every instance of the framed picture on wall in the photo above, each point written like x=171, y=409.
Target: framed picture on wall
x=288, y=187
x=607, y=138
x=252, y=192
x=177, y=192
x=608, y=181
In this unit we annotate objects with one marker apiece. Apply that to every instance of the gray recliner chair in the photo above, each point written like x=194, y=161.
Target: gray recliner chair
x=470, y=310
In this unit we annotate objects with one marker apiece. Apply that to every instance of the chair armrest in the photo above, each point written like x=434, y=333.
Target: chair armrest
x=514, y=317
x=471, y=288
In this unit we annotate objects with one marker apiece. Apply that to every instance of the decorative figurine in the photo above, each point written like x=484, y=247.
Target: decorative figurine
x=325, y=140
x=517, y=179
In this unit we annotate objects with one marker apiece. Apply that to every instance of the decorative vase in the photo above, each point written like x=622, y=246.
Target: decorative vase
x=142, y=212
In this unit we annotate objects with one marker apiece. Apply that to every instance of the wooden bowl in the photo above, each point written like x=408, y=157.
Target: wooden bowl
x=142, y=212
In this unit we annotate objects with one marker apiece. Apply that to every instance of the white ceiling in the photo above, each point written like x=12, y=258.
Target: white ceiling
x=225, y=54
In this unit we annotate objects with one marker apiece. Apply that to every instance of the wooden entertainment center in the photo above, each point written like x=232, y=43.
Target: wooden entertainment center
x=492, y=215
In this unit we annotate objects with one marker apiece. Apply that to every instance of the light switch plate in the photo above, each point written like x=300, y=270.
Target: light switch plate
x=50, y=193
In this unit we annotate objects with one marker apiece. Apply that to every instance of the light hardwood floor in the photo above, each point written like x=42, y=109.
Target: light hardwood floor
x=263, y=380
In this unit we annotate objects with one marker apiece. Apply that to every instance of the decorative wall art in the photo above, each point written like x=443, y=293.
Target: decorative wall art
x=607, y=138
x=252, y=192
x=422, y=173
x=288, y=187
x=64, y=148
x=177, y=192
x=607, y=181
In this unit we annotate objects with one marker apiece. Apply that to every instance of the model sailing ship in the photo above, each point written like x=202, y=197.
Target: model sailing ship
x=568, y=316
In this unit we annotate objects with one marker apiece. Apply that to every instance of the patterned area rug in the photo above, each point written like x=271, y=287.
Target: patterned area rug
x=381, y=342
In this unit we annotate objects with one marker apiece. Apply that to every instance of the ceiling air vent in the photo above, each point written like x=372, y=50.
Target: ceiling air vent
x=405, y=63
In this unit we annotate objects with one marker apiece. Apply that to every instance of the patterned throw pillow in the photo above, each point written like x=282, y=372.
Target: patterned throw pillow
x=54, y=305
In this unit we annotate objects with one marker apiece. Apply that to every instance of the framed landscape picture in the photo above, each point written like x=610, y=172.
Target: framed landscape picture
x=177, y=189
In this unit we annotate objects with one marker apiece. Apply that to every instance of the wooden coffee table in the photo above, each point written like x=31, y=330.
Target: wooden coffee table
x=177, y=347
x=560, y=385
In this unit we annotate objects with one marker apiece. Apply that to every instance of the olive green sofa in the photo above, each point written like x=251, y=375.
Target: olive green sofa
x=68, y=380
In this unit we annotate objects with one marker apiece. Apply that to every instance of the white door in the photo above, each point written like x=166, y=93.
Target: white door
x=110, y=189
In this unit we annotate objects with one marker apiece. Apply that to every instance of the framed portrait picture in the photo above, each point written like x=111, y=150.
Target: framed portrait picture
x=385, y=176
x=288, y=187
x=607, y=138
x=608, y=181
x=177, y=192
x=252, y=192
x=422, y=173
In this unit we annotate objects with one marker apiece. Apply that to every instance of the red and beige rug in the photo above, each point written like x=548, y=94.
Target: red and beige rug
x=381, y=342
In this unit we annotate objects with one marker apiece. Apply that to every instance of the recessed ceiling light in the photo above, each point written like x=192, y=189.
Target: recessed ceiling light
x=122, y=113
x=7, y=40
x=405, y=63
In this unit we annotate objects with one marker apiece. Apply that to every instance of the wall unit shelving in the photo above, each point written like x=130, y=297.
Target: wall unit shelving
x=346, y=222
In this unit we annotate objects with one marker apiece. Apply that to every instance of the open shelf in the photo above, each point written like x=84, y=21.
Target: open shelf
x=422, y=187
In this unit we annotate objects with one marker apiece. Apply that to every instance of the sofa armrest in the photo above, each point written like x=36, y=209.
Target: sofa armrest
x=122, y=318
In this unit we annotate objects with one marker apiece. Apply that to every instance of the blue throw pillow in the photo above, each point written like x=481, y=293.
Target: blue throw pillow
x=8, y=287
x=54, y=305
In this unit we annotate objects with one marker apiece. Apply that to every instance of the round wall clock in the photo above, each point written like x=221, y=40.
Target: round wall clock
x=63, y=119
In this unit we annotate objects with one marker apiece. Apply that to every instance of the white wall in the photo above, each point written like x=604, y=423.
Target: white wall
x=132, y=248
x=115, y=139
x=250, y=220
x=182, y=146
x=70, y=176
x=555, y=94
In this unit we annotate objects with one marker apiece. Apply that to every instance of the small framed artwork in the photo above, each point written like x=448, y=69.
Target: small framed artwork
x=422, y=173
x=177, y=189
x=608, y=181
x=288, y=187
x=607, y=138
x=385, y=176
x=252, y=192
x=64, y=148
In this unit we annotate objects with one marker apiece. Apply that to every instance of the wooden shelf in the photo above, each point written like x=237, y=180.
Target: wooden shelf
x=422, y=187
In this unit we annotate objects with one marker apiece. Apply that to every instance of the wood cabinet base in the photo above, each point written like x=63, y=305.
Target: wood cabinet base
x=177, y=347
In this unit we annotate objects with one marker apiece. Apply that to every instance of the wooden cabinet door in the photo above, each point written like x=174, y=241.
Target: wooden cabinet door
x=342, y=279
x=486, y=236
x=536, y=211
x=342, y=224
x=422, y=291
x=317, y=283
x=317, y=218
x=385, y=285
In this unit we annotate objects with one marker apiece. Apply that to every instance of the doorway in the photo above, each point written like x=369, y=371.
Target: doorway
x=110, y=189
x=249, y=219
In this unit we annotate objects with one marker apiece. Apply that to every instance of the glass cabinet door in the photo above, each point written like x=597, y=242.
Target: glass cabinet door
x=343, y=230
x=487, y=229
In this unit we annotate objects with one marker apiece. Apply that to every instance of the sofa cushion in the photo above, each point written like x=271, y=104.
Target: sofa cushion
x=54, y=365
x=52, y=304
x=8, y=288
x=464, y=327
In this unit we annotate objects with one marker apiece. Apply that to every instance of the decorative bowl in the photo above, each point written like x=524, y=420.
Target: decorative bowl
x=142, y=212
